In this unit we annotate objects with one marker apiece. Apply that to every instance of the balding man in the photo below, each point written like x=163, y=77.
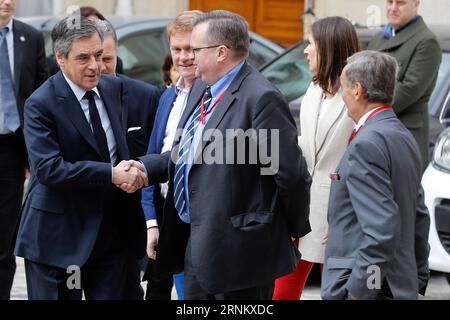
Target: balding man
x=407, y=38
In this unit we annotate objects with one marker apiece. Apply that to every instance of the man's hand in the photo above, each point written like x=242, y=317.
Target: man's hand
x=152, y=241
x=129, y=176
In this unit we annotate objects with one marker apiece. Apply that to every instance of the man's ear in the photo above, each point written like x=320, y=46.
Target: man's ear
x=222, y=53
x=59, y=59
x=359, y=91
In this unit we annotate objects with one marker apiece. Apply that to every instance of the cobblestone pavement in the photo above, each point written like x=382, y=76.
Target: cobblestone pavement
x=438, y=288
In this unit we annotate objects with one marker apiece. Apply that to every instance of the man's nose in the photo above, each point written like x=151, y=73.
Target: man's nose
x=187, y=54
x=94, y=64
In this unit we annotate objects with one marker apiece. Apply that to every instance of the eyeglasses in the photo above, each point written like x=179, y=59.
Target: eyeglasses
x=197, y=50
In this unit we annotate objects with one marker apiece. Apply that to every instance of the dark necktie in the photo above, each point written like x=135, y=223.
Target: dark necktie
x=97, y=128
x=183, y=153
x=8, y=104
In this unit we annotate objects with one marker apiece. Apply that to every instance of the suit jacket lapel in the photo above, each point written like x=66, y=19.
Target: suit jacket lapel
x=111, y=101
x=20, y=41
x=162, y=117
x=403, y=36
x=195, y=94
x=311, y=107
x=328, y=119
x=69, y=103
x=223, y=105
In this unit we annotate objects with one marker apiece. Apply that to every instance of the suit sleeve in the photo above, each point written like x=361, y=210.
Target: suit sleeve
x=157, y=167
x=377, y=214
x=287, y=163
x=147, y=201
x=422, y=248
x=46, y=158
x=421, y=72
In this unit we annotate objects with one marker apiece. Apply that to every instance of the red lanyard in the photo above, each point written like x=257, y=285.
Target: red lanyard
x=203, y=113
x=374, y=112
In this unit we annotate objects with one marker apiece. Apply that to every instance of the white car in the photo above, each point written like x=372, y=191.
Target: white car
x=436, y=183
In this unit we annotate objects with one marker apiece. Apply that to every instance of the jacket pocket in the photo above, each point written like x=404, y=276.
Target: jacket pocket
x=340, y=263
x=251, y=220
x=47, y=204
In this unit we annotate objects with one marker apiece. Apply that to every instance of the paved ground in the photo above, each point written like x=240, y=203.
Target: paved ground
x=438, y=288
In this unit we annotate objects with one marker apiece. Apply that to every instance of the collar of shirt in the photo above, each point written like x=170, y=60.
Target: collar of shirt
x=363, y=119
x=223, y=83
x=10, y=25
x=179, y=87
x=390, y=32
x=79, y=92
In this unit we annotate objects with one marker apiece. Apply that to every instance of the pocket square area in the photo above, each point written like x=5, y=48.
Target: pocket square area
x=133, y=129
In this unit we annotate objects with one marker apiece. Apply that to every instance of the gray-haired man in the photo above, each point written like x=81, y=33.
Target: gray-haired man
x=77, y=229
x=378, y=225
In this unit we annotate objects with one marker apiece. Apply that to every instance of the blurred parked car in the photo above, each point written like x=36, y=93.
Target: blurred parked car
x=290, y=73
x=143, y=45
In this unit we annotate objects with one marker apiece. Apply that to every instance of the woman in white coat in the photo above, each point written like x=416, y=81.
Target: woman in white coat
x=325, y=129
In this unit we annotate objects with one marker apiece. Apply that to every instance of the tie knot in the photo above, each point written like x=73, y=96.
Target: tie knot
x=89, y=95
x=208, y=93
x=4, y=31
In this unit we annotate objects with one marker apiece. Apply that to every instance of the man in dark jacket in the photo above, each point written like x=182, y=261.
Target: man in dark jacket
x=22, y=70
x=407, y=38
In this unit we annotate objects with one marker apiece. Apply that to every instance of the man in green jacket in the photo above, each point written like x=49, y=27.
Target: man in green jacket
x=408, y=39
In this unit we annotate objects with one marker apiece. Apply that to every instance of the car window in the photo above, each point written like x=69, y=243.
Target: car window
x=142, y=54
x=290, y=73
x=259, y=54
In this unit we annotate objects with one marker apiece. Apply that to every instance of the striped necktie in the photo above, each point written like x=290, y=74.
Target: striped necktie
x=183, y=153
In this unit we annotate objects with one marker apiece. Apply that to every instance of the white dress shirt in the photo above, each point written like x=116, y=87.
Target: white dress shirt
x=172, y=124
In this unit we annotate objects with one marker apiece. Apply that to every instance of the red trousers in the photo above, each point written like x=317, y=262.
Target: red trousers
x=290, y=287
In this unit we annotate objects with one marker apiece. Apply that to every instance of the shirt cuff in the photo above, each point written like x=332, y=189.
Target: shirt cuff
x=152, y=223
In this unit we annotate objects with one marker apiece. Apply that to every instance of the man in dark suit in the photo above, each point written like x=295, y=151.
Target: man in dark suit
x=77, y=229
x=407, y=38
x=139, y=104
x=171, y=107
x=230, y=221
x=22, y=70
x=139, y=99
x=377, y=244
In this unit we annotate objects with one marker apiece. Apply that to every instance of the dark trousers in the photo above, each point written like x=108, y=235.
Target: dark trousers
x=12, y=172
x=133, y=288
x=99, y=280
x=194, y=291
x=109, y=273
x=157, y=288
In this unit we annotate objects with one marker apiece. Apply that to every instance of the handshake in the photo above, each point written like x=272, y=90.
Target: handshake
x=129, y=176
